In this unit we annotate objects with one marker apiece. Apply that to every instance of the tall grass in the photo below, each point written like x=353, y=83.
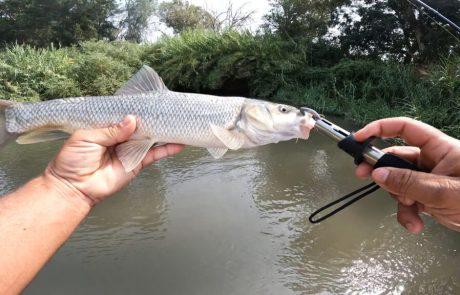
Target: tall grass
x=27, y=74
x=93, y=68
x=262, y=66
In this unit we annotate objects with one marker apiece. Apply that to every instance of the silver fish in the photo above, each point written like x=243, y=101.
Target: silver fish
x=212, y=122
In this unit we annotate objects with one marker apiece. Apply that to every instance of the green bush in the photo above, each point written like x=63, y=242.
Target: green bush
x=28, y=74
x=203, y=61
x=300, y=72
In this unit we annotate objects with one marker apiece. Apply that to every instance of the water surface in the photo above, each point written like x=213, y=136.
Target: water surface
x=239, y=225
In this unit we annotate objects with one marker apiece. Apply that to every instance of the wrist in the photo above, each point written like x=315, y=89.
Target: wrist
x=65, y=191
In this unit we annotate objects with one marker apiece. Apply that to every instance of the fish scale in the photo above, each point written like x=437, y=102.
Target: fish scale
x=167, y=117
x=213, y=122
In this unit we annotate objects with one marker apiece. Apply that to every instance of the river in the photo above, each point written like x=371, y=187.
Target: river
x=239, y=225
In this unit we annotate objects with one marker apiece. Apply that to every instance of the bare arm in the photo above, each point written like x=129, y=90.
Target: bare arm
x=34, y=222
x=37, y=219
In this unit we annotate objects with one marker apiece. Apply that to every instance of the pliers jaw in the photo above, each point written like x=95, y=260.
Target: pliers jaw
x=359, y=151
x=324, y=126
x=312, y=112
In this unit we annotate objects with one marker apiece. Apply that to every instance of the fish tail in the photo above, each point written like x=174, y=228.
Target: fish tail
x=5, y=136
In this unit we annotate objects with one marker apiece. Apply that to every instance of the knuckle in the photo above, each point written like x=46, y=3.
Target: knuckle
x=78, y=134
x=446, y=189
x=112, y=131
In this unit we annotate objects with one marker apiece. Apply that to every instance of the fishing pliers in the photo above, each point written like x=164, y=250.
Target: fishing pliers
x=361, y=152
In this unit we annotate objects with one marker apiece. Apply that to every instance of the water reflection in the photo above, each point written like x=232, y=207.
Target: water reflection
x=360, y=251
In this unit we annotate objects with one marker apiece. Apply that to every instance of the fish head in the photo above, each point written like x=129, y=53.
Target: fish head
x=266, y=122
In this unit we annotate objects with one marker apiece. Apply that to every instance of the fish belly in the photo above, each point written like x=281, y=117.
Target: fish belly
x=165, y=117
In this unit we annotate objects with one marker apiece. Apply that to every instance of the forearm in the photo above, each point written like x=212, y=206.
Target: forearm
x=34, y=222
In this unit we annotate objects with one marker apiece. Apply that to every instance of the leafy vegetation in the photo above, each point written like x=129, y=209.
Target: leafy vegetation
x=363, y=59
x=68, y=22
x=265, y=66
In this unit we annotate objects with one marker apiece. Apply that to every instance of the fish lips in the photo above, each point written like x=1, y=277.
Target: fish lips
x=305, y=132
x=306, y=125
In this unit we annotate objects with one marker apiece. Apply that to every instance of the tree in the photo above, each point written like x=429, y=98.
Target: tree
x=371, y=30
x=90, y=19
x=397, y=28
x=138, y=13
x=181, y=15
x=65, y=22
x=301, y=18
x=232, y=18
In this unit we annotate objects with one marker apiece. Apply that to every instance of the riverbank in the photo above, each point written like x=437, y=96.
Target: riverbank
x=300, y=73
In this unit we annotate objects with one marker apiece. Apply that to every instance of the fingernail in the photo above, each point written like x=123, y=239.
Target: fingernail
x=380, y=175
x=410, y=227
x=125, y=121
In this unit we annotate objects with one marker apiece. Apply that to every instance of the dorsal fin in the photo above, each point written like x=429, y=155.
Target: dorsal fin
x=146, y=80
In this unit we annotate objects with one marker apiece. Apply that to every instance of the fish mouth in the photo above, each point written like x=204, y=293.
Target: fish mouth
x=306, y=126
x=305, y=132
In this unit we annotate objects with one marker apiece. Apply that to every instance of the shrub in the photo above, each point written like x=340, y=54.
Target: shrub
x=28, y=74
x=300, y=72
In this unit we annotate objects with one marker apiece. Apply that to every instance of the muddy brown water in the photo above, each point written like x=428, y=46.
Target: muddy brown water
x=239, y=225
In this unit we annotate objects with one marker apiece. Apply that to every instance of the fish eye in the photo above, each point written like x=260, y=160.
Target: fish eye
x=283, y=109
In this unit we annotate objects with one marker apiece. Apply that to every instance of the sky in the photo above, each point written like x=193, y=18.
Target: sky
x=261, y=7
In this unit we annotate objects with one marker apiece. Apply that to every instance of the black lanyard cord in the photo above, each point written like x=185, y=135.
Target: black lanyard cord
x=367, y=190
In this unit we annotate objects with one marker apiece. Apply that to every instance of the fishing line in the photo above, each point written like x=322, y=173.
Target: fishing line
x=451, y=23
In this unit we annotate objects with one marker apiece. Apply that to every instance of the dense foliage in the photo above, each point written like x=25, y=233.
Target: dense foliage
x=266, y=66
x=64, y=22
x=67, y=22
x=398, y=29
x=136, y=20
x=365, y=59
x=181, y=15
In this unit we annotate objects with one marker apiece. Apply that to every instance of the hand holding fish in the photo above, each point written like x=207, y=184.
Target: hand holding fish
x=39, y=217
x=436, y=193
x=218, y=124
x=89, y=167
x=99, y=160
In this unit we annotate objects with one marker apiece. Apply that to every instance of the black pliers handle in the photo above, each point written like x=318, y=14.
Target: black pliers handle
x=361, y=152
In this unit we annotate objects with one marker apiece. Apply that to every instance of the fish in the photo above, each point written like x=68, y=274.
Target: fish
x=216, y=123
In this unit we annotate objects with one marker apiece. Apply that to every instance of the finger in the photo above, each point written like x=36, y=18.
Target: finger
x=404, y=201
x=408, y=216
x=364, y=170
x=413, y=132
x=417, y=186
x=409, y=153
x=109, y=136
x=161, y=152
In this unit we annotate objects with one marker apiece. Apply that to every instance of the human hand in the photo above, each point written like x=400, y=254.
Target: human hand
x=436, y=192
x=87, y=166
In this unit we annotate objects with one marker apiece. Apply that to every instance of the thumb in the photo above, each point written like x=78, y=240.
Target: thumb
x=418, y=186
x=110, y=136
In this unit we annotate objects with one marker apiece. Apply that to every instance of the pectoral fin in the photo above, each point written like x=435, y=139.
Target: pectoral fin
x=231, y=139
x=217, y=153
x=132, y=153
x=42, y=135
